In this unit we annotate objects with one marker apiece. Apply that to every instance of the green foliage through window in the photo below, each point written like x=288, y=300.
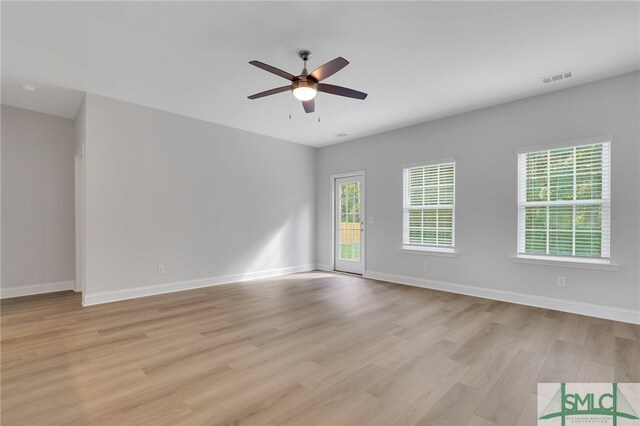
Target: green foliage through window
x=429, y=193
x=350, y=221
x=561, y=200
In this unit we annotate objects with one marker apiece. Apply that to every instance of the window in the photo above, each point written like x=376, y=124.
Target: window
x=564, y=202
x=429, y=212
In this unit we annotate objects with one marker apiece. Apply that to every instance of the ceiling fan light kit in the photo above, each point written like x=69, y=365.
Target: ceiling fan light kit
x=306, y=86
x=304, y=90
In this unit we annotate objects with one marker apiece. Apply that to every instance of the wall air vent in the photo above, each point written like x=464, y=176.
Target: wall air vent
x=557, y=77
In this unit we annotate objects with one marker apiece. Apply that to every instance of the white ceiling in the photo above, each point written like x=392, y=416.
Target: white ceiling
x=417, y=60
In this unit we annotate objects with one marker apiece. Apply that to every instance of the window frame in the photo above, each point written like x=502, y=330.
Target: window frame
x=435, y=249
x=604, y=202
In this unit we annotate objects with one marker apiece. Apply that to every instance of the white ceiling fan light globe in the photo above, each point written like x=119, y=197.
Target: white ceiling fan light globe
x=304, y=93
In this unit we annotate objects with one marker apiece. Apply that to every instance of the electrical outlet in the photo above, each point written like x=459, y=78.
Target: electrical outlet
x=160, y=269
x=562, y=281
x=371, y=220
x=426, y=265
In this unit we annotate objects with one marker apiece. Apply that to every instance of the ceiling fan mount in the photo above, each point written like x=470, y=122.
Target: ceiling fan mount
x=304, y=55
x=305, y=86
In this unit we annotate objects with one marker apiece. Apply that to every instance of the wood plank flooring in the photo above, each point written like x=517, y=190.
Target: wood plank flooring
x=305, y=349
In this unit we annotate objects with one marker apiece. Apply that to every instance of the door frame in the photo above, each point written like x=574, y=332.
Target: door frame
x=363, y=208
x=79, y=220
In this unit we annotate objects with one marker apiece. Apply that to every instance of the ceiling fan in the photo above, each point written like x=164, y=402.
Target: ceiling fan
x=305, y=86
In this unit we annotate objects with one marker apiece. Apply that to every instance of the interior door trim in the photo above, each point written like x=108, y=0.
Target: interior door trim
x=363, y=209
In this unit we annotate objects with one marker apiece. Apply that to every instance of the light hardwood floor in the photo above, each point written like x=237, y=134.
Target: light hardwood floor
x=313, y=348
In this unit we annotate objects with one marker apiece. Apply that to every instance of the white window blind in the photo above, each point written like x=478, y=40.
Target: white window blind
x=429, y=211
x=564, y=202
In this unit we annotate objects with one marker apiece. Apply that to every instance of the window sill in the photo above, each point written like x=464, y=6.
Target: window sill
x=564, y=262
x=431, y=251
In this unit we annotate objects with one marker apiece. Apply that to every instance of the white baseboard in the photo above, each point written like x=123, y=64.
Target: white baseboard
x=598, y=311
x=323, y=267
x=152, y=290
x=29, y=290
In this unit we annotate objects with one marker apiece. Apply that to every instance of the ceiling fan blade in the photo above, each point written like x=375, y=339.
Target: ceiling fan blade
x=273, y=70
x=309, y=106
x=329, y=69
x=270, y=92
x=340, y=91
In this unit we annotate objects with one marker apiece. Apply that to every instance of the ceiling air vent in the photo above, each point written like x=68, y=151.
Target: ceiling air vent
x=557, y=77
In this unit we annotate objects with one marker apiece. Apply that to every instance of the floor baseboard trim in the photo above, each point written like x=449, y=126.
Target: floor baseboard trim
x=153, y=290
x=323, y=267
x=588, y=309
x=29, y=290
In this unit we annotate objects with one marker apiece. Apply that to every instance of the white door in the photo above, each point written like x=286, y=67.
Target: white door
x=349, y=224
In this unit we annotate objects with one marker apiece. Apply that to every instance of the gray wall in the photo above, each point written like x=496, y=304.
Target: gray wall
x=483, y=144
x=37, y=198
x=202, y=199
